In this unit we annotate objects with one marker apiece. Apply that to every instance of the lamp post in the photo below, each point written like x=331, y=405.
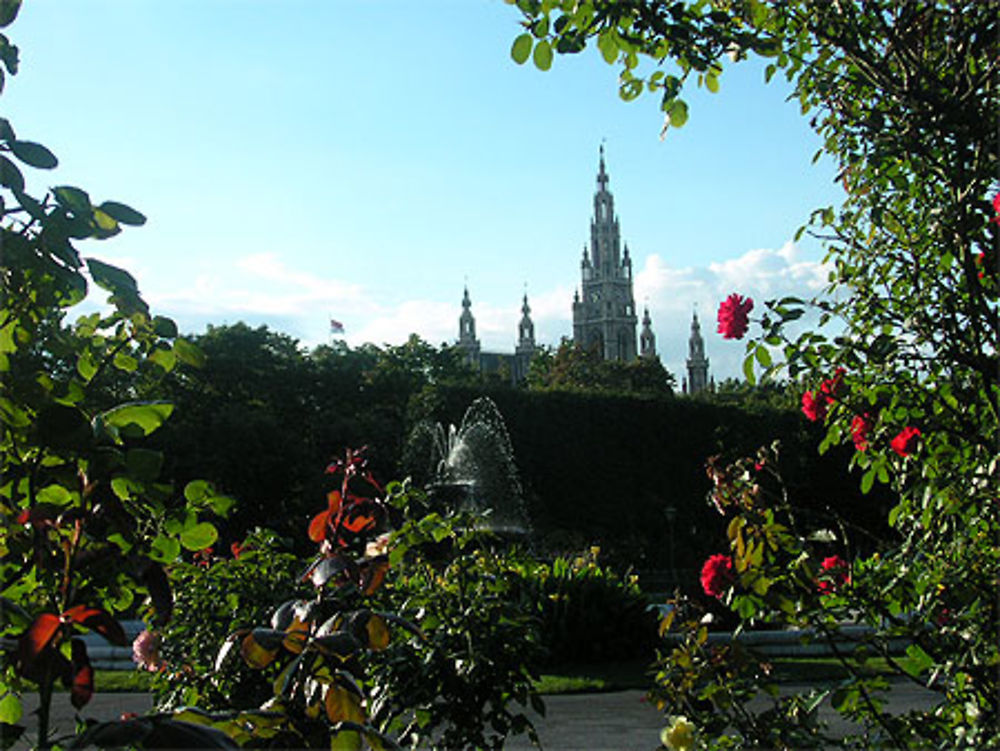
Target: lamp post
x=671, y=513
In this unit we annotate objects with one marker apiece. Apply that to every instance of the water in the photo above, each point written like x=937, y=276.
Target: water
x=471, y=467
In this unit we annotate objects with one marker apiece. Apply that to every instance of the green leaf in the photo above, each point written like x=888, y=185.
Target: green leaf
x=199, y=537
x=126, y=362
x=140, y=418
x=165, y=358
x=73, y=199
x=543, y=55
x=34, y=154
x=165, y=327
x=868, y=479
x=678, y=113
x=111, y=278
x=916, y=661
x=608, y=47
x=197, y=491
x=10, y=175
x=188, y=353
x=57, y=495
x=521, y=49
x=85, y=365
x=122, y=213
x=8, y=12
x=712, y=83
x=763, y=356
x=10, y=709
x=165, y=549
x=748, y=370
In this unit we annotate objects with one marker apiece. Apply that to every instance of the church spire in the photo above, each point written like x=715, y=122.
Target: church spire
x=647, y=339
x=697, y=363
x=467, y=330
x=526, y=329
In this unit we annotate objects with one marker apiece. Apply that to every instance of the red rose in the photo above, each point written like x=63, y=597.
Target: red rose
x=833, y=387
x=861, y=426
x=717, y=575
x=835, y=573
x=996, y=208
x=814, y=405
x=905, y=443
x=734, y=314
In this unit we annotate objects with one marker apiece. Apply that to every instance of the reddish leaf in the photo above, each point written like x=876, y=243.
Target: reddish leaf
x=38, y=636
x=83, y=676
x=334, y=500
x=358, y=523
x=317, y=527
x=373, y=572
x=98, y=620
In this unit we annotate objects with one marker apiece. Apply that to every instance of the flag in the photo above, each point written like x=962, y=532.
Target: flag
x=336, y=327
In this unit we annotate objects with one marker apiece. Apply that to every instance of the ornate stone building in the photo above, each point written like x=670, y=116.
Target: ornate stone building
x=513, y=366
x=604, y=315
x=604, y=312
x=697, y=363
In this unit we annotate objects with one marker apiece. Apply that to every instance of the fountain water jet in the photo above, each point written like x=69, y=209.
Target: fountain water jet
x=472, y=468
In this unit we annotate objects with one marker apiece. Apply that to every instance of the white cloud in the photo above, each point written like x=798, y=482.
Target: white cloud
x=262, y=289
x=673, y=294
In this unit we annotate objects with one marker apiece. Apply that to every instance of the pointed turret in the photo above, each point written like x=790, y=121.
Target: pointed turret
x=697, y=363
x=647, y=339
x=467, y=331
x=526, y=329
x=604, y=316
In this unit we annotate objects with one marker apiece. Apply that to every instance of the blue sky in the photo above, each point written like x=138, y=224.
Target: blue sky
x=363, y=160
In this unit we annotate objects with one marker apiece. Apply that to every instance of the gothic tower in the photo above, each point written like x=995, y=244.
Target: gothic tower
x=604, y=308
x=647, y=339
x=467, y=341
x=697, y=363
x=526, y=349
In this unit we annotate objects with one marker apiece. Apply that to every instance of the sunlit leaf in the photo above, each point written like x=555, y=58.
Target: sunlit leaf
x=542, y=55
x=41, y=633
x=342, y=704
x=199, y=536
x=99, y=620
x=520, y=50
x=260, y=647
x=378, y=633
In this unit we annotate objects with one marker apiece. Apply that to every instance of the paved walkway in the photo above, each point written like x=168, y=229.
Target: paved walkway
x=613, y=721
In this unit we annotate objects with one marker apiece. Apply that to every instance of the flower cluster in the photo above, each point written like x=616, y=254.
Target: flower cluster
x=861, y=428
x=816, y=403
x=734, y=316
x=679, y=735
x=717, y=575
x=834, y=575
x=905, y=443
x=146, y=650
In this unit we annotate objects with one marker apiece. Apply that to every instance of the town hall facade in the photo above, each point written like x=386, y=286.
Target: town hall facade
x=604, y=311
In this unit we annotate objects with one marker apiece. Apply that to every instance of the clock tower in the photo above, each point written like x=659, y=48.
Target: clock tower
x=604, y=315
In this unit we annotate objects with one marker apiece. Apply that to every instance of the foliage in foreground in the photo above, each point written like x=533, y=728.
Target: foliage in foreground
x=87, y=522
x=904, y=96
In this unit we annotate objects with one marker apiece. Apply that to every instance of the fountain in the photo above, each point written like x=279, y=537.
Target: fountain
x=471, y=468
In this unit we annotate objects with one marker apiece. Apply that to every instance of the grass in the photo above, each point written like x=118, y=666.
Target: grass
x=111, y=682
x=620, y=676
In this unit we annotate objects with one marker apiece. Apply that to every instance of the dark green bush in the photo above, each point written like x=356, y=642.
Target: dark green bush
x=588, y=612
x=213, y=597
